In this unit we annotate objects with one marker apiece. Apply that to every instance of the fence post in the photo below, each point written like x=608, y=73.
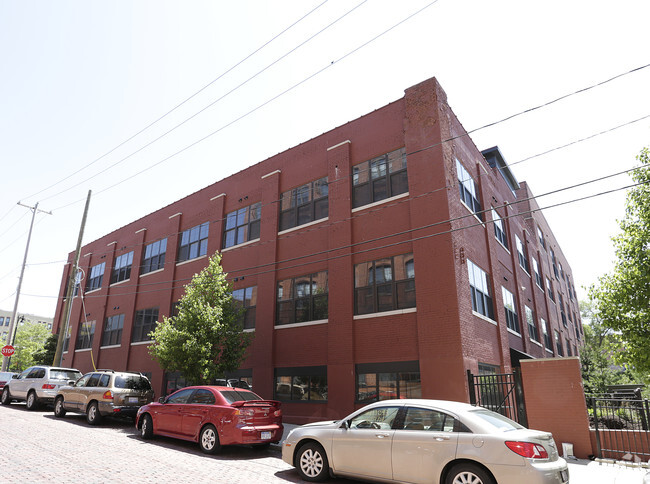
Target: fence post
x=519, y=394
x=472, y=390
x=592, y=404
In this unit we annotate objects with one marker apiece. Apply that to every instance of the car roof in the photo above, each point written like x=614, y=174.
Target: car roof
x=449, y=405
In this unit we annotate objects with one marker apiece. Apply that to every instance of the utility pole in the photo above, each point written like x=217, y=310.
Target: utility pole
x=13, y=325
x=64, y=321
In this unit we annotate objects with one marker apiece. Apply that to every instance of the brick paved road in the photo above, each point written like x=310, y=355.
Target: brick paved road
x=36, y=447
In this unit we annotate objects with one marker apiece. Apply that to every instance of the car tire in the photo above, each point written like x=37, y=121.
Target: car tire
x=32, y=402
x=468, y=473
x=311, y=462
x=146, y=427
x=209, y=440
x=6, y=397
x=59, y=409
x=93, y=417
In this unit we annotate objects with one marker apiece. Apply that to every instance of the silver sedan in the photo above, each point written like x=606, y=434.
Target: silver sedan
x=425, y=441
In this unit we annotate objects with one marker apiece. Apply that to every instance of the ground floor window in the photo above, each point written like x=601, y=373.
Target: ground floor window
x=385, y=381
x=305, y=384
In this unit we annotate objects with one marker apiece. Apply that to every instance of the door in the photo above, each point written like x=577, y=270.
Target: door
x=19, y=385
x=364, y=448
x=72, y=396
x=196, y=411
x=169, y=416
x=88, y=391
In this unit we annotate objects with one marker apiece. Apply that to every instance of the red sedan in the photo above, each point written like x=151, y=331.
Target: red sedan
x=213, y=416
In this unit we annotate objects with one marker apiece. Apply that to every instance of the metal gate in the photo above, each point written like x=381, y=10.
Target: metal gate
x=500, y=392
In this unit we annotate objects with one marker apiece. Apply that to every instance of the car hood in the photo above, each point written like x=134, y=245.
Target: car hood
x=325, y=423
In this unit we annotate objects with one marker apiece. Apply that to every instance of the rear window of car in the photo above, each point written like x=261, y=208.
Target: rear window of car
x=64, y=375
x=497, y=420
x=132, y=382
x=239, y=396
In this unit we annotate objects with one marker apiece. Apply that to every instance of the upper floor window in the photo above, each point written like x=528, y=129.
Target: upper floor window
x=549, y=289
x=512, y=320
x=558, y=343
x=540, y=236
x=242, y=225
x=499, y=229
x=382, y=177
x=538, y=276
x=481, y=298
x=194, y=242
x=85, y=335
x=554, y=262
x=122, y=268
x=113, y=330
x=95, y=277
x=547, y=337
x=532, y=327
x=384, y=285
x=302, y=299
x=154, y=256
x=143, y=323
x=247, y=300
x=521, y=253
x=467, y=189
x=304, y=204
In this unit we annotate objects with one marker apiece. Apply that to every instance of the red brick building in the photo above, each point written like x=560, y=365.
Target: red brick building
x=381, y=259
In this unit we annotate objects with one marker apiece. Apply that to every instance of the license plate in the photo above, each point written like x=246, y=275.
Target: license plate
x=564, y=474
x=132, y=400
x=266, y=435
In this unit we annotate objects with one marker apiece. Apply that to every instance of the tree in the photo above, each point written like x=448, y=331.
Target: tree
x=30, y=338
x=206, y=338
x=622, y=298
x=45, y=356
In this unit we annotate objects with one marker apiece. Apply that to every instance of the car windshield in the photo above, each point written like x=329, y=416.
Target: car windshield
x=496, y=420
x=132, y=382
x=64, y=375
x=238, y=396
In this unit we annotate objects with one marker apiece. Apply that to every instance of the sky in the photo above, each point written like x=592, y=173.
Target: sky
x=145, y=102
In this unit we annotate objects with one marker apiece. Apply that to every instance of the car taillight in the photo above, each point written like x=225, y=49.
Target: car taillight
x=528, y=449
x=48, y=386
x=277, y=413
x=108, y=395
x=245, y=412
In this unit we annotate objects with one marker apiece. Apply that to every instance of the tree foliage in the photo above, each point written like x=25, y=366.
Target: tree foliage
x=205, y=339
x=45, y=355
x=30, y=339
x=622, y=297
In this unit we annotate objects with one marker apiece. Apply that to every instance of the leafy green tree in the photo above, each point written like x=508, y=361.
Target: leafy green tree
x=30, y=338
x=45, y=356
x=206, y=338
x=622, y=298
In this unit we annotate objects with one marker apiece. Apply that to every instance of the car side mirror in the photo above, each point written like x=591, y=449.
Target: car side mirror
x=14, y=377
x=71, y=382
x=345, y=425
x=161, y=400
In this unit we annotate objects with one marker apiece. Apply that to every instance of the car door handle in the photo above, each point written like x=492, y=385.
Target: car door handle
x=441, y=438
x=382, y=435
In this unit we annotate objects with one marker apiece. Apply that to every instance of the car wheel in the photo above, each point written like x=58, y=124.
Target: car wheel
x=146, y=428
x=209, y=440
x=468, y=474
x=32, y=401
x=93, y=417
x=6, y=397
x=59, y=410
x=311, y=462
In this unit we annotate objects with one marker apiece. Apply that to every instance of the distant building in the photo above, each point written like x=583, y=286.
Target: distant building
x=5, y=320
x=377, y=260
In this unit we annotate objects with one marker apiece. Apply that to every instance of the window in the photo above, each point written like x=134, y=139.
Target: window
x=375, y=418
x=547, y=337
x=428, y=419
x=384, y=285
x=154, y=256
x=122, y=269
x=562, y=313
x=143, y=323
x=306, y=384
x=95, y=277
x=2, y=320
x=202, y=396
x=568, y=347
x=538, y=276
x=478, y=282
x=521, y=252
x=558, y=343
x=247, y=300
x=532, y=327
x=7, y=320
x=467, y=189
x=242, y=225
x=549, y=289
x=380, y=178
x=385, y=381
x=499, y=229
x=85, y=335
x=302, y=299
x=511, y=310
x=304, y=204
x=540, y=236
x=194, y=242
x=555, y=271
x=113, y=330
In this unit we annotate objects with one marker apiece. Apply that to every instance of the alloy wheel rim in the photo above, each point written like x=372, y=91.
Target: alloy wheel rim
x=145, y=426
x=467, y=478
x=92, y=412
x=208, y=439
x=30, y=400
x=311, y=463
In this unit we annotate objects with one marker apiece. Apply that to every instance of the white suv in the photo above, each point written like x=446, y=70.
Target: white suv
x=37, y=385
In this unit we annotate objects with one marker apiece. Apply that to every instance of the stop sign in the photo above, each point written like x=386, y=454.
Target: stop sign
x=7, y=350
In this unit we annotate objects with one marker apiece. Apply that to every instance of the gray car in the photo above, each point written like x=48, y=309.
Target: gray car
x=37, y=385
x=425, y=441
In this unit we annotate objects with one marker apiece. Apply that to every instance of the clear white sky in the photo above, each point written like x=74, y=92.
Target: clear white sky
x=78, y=78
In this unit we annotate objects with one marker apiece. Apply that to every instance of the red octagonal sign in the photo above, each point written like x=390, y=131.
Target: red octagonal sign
x=7, y=350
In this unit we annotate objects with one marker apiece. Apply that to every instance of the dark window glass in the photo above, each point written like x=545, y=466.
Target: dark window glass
x=154, y=256
x=95, y=277
x=239, y=396
x=382, y=177
x=302, y=384
x=85, y=335
x=511, y=310
x=384, y=284
x=132, y=382
x=480, y=289
x=113, y=330
x=304, y=204
x=247, y=300
x=143, y=323
x=202, y=397
x=181, y=396
x=194, y=242
x=468, y=192
x=122, y=268
x=302, y=299
x=499, y=229
x=242, y=225
x=386, y=385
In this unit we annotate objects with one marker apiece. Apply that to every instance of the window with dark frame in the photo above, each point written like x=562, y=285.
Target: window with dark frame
x=302, y=299
x=384, y=285
x=540, y=236
x=512, y=320
x=521, y=253
x=194, y=242
x=143, y=323
x=95, y=277
x=480, y=288
x=468, y=192
x=303, y=384
x=247, y=299
x=558, y=343
x=548, y=344
x=538, y=276
x=385, y=381
x=242, y=225
x=533, y=333
x=380, y=178
x=549, y=290
x=122, y=268
x=85, y=335
x=154, y=256
x=113, y=330
x=499, y=229
x=304, y=204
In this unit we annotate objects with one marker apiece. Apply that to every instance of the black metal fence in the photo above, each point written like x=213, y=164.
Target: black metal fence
x=621, y=425
x=500, y=392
